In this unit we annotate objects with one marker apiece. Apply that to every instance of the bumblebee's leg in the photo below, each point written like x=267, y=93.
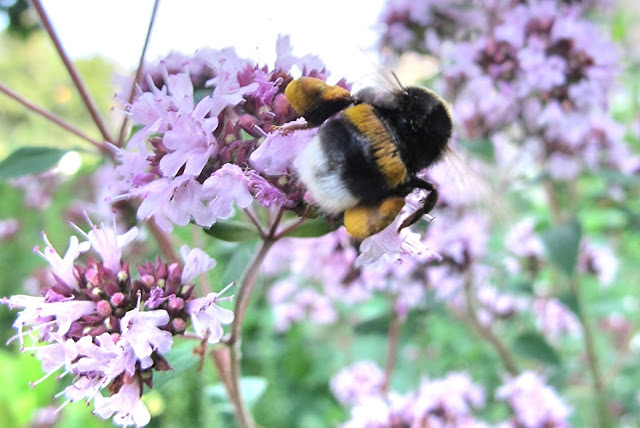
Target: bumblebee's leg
x=429, y=202
x=289, y=128
x=363, y=221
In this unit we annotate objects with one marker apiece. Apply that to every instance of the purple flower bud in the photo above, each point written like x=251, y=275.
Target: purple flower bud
x=118, y=299
x=103, y=308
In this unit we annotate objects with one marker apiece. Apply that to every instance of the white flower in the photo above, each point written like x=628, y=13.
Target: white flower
x=140, y=330
x=196, y=262
x=62, y=267
x=126, y=404
x=207, y=317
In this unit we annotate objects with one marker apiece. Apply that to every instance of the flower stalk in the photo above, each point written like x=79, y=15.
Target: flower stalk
x=55, y=119
x=73, y=71
x=392, y=350
x=231, y=373
x=501, y=349
x=138, y=76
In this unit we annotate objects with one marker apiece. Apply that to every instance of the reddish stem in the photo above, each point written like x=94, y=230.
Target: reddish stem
x=73, y=72
x=55, y=119
x=125, y=122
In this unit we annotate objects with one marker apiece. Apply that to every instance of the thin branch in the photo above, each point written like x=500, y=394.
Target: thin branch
x=503, y=352
x=602, y=413
x=592, y=357
x=73, y=72
x=234, y=342
x=125, y=122
x=255, y=222
x=163, y=241
x=246, y=289
x=283, y=233
x=55, y=119
x=276, y=223
x=392, y=350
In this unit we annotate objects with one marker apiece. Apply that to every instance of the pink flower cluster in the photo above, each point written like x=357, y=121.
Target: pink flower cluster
x=109, y=331
x=200, y=148
x=450, y=402
x=535, y=74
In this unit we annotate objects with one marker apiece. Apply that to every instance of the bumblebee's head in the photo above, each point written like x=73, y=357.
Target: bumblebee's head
x=424, y=123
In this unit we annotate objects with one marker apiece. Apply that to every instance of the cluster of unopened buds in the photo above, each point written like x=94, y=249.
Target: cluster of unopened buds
x=109, y=330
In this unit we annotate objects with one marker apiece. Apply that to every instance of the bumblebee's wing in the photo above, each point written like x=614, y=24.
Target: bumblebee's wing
x=316, y=101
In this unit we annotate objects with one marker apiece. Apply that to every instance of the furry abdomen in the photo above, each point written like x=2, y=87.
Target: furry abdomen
x=352, y=160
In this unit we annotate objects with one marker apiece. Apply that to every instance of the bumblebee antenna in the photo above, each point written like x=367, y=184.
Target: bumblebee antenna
x=395, y=76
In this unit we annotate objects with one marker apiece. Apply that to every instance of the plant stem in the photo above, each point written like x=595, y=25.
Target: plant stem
x=73, y=72
x=163, y=241
x=234, y=342
x=392, y=350
x=125, y=122
x=503, y=352
x=603, y=416
x=55, y=119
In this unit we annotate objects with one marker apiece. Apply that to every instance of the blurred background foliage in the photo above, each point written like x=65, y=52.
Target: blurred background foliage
x=288, y=384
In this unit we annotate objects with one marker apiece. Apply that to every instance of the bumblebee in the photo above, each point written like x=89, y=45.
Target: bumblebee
x=369, y=147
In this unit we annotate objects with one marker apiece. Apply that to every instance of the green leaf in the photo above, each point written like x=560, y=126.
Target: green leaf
x=30, y=160
x=570, y=301
x=562, y=244
x=181, y=358
x=481, y=148
x=313, y=228
x=232, y=231
x=238, y=263
x=199, y=94
x=532, y=345
x=251, y=389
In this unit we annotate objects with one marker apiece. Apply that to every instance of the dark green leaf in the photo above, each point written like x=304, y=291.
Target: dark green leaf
x=562, y=244
x=570, y=301
x=30, y=160
x=532, y=345
x=232, y=231
x=313, y=228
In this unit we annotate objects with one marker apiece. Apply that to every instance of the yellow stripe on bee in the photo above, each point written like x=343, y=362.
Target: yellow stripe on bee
x=304, y=94
x=363, y=221
x=385, y=151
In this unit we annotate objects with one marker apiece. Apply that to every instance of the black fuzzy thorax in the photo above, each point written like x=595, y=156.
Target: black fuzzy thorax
x=418, y=120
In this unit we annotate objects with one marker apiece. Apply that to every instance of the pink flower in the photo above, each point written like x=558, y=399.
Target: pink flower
x=140, y=330
x=449, y=398
x=207, y=317
x=109, y=245
x=196, y=262
x=356, y=382
x=225, y=186
x=126, y=404
x=62, y=267
x=276, y=153
x=40, y=315
x=389, y=244
x=553, y=318
x=174, y=201
x=534, y=403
